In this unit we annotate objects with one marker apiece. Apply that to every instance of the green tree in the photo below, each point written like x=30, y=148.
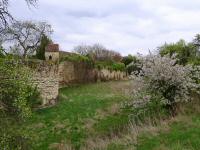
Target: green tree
x=196, y=40
x=183, y=51
x=40, y=52
x=128, y=59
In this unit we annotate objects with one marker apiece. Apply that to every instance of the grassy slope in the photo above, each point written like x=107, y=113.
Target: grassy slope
x=78, y=115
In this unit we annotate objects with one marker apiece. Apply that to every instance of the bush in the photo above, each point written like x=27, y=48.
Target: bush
x=163, y=76
x=134, y=67
x=118, y=66
x=146, y=108
x=16, y=99
x=129, y=59
x=185, y=52
x=110, y=65
x=76, y=58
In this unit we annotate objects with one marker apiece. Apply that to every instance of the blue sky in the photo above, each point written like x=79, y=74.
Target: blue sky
x=127, y=26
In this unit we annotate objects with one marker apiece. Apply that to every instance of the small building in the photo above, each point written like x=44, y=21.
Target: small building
x=52, y=52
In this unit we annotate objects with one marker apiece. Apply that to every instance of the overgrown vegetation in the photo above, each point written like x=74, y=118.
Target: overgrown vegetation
x=17, y=97
x=97, y=56
x=186, y=53
x=76, y=58
x=104, y=115
x=110, y=65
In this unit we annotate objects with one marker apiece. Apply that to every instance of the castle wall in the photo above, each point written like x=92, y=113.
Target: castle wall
x=46, y=79
x=80, y=72
x=107, y=75
x=75, y=73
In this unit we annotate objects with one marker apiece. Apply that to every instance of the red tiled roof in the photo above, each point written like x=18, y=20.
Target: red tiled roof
x=52, y=48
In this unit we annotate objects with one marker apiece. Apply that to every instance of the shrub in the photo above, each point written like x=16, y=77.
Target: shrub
x=110, y=65
x=16, y=99
x=163, y=76
x=146, y=108
x=118, y=66
x=185, y=52
x=134, y=67
x=76, y=58
x=129, y=59
x=14, y=88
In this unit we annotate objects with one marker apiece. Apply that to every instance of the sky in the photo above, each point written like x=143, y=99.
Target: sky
x=126, y=26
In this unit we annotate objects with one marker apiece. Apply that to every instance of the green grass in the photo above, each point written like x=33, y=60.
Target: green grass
x=112, y=123
x=183, y=134
x=67, y=121
x=93, y=111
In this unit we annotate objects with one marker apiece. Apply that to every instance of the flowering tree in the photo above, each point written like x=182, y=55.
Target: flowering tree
x=163, y=76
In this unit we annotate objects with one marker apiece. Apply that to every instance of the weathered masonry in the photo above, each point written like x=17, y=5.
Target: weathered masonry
x=46, y=80
x=45, y=75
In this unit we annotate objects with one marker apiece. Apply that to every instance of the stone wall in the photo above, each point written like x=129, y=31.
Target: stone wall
x=75, y=73
x=46, y=79
x=106, y=75
x=80, y=72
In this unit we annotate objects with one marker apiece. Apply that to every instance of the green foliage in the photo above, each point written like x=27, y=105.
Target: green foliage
x=129, y=59
x=118, y=66
x=185, y=52
x=76, y=58
x=16, y=99
x=40, y=51
x=11, y=138
x=132, y=64
x=15, y=88
x=111, y=65
x=196, y=41
x=134, y=67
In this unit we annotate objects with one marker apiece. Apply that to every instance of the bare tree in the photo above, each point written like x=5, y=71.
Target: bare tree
x=83, y=49
x=98, y=52
x=5, y=16
x=27, y=35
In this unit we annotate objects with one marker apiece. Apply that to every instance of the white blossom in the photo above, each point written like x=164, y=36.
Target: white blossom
x=164, y=76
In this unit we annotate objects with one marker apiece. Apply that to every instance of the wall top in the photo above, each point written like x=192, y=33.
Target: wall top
x=52, y=48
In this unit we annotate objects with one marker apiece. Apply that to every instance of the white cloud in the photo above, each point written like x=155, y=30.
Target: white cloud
x=129, y=26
